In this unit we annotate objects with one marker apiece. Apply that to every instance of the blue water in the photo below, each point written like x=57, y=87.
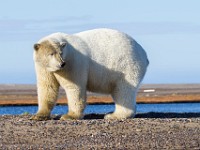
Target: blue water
x=101, y=109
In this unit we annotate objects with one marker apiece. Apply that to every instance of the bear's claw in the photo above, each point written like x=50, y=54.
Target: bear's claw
x=70, y=117
x=40, y=117
x=110, y=116
x=117, y=116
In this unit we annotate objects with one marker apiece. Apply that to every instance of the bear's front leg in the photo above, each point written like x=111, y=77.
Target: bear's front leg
x=47, y=95
x=76, y=103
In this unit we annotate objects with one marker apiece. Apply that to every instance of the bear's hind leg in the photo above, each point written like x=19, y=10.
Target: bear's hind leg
x=124, y=97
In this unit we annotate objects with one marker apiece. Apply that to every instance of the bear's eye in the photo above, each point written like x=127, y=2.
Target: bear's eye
x=53, y=53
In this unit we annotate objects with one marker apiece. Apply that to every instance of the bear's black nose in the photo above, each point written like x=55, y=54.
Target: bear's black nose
x=62, y=65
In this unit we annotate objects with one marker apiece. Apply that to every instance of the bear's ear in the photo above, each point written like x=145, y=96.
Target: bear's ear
x=63, y=44
x=36, y=46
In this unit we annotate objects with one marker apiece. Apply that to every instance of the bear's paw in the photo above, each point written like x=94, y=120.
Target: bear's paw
x=71, y=117
x=118, y=116
x=39, y=117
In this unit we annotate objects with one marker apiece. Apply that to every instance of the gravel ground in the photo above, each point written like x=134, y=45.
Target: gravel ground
x=146, y=131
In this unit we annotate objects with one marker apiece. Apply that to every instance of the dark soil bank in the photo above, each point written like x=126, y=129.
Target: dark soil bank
x=18, y=132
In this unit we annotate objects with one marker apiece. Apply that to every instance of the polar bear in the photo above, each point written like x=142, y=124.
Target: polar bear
x=98, y=60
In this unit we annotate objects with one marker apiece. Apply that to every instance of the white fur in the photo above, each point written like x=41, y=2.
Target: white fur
x=100, y=60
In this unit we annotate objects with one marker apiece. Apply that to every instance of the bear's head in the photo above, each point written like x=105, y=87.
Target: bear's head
x=49, y=55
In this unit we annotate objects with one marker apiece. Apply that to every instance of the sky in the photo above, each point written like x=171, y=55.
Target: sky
x=169, y=31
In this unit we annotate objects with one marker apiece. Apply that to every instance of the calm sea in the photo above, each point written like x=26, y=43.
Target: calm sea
x=101, y=109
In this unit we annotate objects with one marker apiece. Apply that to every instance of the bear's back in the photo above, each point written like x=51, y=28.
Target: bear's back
x=106, y=41
x=110, y=47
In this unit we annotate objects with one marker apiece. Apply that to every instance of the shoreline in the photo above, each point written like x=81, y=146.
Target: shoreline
x=25, y=94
